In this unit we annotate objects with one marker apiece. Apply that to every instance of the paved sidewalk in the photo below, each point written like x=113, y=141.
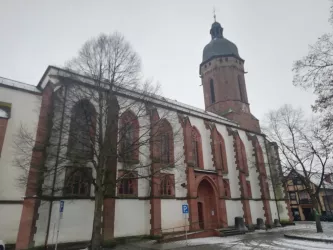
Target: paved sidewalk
x=260, y=239
x=309, y=233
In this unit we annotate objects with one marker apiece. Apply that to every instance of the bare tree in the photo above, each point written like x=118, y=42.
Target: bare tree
x=103, y=115
x=304, y=148
x=315, y=71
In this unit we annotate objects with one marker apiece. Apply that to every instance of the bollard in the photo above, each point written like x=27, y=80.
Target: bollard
x=277, y=223
x=260, y=224
x=239, y=224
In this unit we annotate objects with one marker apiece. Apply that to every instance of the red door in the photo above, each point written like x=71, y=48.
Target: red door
x=200, y=215
x=207, y=212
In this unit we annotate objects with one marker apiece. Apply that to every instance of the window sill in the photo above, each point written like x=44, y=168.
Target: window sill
x=71, y=196
x=127, y=196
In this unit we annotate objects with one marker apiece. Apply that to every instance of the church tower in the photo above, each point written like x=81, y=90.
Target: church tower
x=222, y=73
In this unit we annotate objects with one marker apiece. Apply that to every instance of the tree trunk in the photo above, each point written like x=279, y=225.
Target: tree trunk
x=320, y=206
x=96, y=238
x=317, y=214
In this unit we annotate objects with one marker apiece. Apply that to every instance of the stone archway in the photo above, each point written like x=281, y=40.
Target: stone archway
x=206, y=203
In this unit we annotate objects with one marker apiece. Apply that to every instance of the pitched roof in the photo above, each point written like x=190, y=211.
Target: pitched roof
x=18, y=85
x=315, y=179
x=53, y=72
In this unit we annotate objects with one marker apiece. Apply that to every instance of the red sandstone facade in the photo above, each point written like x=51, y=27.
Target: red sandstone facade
x=207, y=190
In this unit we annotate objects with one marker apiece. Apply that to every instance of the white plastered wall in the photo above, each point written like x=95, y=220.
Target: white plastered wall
x=282, y=208
x=172, y=216
x=234, y=209
x=24, y=112
x=132, y=217
x=10, y=215
x=257, y=210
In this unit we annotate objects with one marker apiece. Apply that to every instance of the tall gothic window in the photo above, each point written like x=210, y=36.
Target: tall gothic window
x=244, y=166
x=128, y=183
x=221, y=154
x=167, y=185
x=78, y=181
x=196, y=148
x=165, y=150
x=164, y=142
x=240, y=87
x=212, y=91
x=129, y=136
x=82, y=130
x=226, y=188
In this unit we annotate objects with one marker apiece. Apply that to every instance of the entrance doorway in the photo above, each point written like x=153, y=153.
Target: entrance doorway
x=308, y=214
x=200, y=215
x=207, y=211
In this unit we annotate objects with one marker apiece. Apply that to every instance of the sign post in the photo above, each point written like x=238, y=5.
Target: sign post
x=61, y=210
x=185, y=213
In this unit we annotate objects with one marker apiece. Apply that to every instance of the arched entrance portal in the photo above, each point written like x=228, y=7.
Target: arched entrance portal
x=207, y=210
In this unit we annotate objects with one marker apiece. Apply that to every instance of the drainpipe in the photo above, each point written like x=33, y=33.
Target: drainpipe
x=55, y=169
x=270, y=171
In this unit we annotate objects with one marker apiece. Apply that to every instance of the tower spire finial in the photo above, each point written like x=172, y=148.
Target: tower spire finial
x=214, y=14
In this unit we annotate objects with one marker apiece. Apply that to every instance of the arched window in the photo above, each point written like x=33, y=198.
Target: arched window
x=128, y=183
x=197, y=149
x=167, y=185
x=78, y=181
x=165, y=142
x=129, y=136
x=221, y=153
x=244, y=167
x=240, y=87
x=82, y=130
x=212, y=91
x=226, y=188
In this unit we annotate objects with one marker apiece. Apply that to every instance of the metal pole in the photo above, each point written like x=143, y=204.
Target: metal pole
x=186, y=230
x=58, y=229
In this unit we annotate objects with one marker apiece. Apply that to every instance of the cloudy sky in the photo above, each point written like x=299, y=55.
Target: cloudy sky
x=169, y=36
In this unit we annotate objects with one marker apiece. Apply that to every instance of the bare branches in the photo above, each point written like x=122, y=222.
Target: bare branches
x=315, y=71
x=104, y=119
x=304, y=148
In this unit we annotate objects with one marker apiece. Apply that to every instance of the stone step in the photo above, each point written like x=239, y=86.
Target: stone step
x=190, y=235
x=230, y=232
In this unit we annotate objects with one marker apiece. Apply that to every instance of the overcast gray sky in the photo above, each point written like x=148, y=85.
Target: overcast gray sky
x=170, y=36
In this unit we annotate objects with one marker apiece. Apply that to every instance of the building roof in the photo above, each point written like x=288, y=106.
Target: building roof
x=19, y=85
x=219, y=46
x=315, y=179
x=53, y=72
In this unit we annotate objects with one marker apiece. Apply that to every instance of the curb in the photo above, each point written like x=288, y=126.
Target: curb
x=307, y=238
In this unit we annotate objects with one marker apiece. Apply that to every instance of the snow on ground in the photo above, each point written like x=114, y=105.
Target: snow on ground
x=278, y=244
x=235, y=243
x=312, y=235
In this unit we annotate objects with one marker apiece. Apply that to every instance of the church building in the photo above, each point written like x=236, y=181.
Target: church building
x=226, y=167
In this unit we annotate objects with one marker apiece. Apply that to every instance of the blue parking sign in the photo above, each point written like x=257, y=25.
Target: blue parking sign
x=61, y=208
x=185, y=209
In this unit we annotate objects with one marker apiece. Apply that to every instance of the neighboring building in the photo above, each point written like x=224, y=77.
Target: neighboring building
x=300, y=201
x=225, y=175
x=19, y=106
